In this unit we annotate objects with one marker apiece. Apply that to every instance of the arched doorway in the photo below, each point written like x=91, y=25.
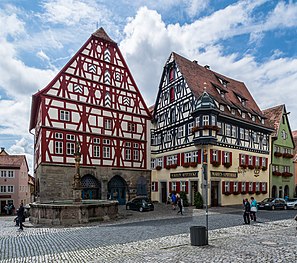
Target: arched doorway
x=141, y=186
x=286, y=191
x=91, y=187
x=274, y=192
x=117, y=188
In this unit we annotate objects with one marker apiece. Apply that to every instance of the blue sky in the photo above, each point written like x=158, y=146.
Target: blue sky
x=253, y=41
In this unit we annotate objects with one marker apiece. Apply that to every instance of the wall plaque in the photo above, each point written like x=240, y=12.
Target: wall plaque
x=223, y=174
x=184, y=175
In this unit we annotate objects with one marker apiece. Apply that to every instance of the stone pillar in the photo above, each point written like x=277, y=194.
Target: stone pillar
x=76, y=180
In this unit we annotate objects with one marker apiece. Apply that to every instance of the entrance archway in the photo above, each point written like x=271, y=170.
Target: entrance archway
x=117, y=188
x=141, y=186
x=274, y=192
x=91, y=187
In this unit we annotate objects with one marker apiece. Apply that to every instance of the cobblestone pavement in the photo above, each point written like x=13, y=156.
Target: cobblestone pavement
x=259, y=242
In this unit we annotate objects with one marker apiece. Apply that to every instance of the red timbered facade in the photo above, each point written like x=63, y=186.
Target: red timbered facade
x=93, y=101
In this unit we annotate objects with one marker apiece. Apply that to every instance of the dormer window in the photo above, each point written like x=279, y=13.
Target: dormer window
x=233, y=111
x=263, y=121
x=243, y=102
x=222, y=94
x=243, y=115
x=253, y=118
x=222, y=108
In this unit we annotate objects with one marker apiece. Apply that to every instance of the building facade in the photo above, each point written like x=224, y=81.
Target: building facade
x=282, y=148
x=204, y=121
x=294, y=134
x=13, y=180
x=94, y=102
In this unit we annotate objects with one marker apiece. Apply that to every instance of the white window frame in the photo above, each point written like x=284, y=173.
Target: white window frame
x=188, y=157
x=226, y=157
x=160, y=161
x=10, y=174
x=243, y=186
x=107, y=124
x=135, y=152
x=58, y=147
x=64, y=115
x=205, y=120
x=10, y=189
x=183, y=186
x=227, y=186
x=180, y=133
x=153, y=163
x=190, y=127
x=70, y=148
x=251, y=185
x=96, y=150
x=173, y=186
x=235, y=186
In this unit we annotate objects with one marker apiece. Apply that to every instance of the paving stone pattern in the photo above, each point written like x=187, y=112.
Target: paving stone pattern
x=269, y=242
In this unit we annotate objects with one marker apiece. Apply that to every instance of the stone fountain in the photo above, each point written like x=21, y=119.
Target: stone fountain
x=75, y=211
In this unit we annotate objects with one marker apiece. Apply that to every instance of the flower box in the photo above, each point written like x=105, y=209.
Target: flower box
x=194, y=129
x=251, y=167
x=227, y=165
x=167, y=167
x=243, y=166
x=186, y=165
x=251, y=192
x=215, y=164
x=264, y=192
x=193, y=164
x=264, y=168
x=243, y=192
x=286, y=174
x=278, y=154
x=173, y=166
x=258, y=192
x=276, y=173
x=236, y=193
x=227, y=193
x=287, y=155
x=158, y=167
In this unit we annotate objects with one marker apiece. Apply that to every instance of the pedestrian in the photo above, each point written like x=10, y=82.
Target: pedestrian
x=246, y=213
x=6, y=208
x=253, y=209
x=21, y=216
x=180, y=205
x=173, y=201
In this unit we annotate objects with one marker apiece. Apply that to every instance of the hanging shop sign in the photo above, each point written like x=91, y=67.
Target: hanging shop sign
x=223, y=174
x=184, y=175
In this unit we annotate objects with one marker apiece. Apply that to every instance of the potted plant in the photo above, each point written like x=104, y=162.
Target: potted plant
x=158, y=167
x=215, y=163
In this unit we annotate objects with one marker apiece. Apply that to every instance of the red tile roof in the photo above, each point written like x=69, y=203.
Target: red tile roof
x=199, y=77
x=100, y=33
x=274, y=117
x=12, y=161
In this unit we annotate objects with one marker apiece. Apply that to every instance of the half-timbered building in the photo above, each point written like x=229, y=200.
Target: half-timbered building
x=93, y=101
x=282, y=153
x=204, y=119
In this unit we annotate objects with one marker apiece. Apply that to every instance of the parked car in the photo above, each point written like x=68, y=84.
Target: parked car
x=292, y=203
x=141, y=204
x=273, y=203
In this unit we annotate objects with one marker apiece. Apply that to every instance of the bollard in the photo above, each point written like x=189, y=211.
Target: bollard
x=198, y=235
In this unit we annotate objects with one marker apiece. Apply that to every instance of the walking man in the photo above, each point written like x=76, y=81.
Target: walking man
x=247, y=210
x=20, y=214
x=180, y=205
x=253, y=208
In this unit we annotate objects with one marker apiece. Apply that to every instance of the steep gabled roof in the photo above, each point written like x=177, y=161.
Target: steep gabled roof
x=12, y=161
x=274, y=117
x=100, y=33
x=198, y=77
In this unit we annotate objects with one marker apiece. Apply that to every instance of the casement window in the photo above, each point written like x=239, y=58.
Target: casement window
x=235, y=186
x=70, y=148
x=136, y=152
x=205, y=120
x=106, y=149
x=275, y=168
x=3, y=189
x=172, y=116
x=131, y=127
x=243, y=186
x=227, y=186
x=228, y=130
x=153, y=140
x=284, y=135
x=168, y=136
x=287, y=169
x=172, y=159
x=222, y=108
x=107, y=124
x=64, y=115
x=246, y=135
x=173, y=186
x=234, y=131
x=186, y=107
x=277, y=149
x=195, y=156
x=153, y=163
x=10, y=189
x=215, y=155
x=213, y=120
x=58, y=147
x=172, y=95
x=219, y=124
x=10, y=174
x=233, y=111
x=264, y=187
x=250, y=186
x=70, y=137
x=96, y=147
x=59, y=136
x=257, y=186
x=127, y=151
x=180, y=132
x=264, y=162
x=160, y=162
x=3, y=174
x=257, y=161
x=241, y=131
x=183, y=186
x=250, y=160
x=226, y=157
x=154, y=186
x=243, y=159
x=243, y=115
x=253, y=118
x=188, y=157
x=190, y=127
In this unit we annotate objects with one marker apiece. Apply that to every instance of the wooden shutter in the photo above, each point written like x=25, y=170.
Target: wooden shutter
x=223, y=157
x=182, y=159
x=223, y=187
x=199, y=156
x=170, y=187
x=230, y=155
x=187, y=187
x=164, y=160
x=239, y=186
x=177, y=187
x=231, y=187
x=178, y=159
x=240, y=159
x=211, y=155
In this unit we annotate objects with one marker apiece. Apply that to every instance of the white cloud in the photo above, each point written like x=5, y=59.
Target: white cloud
x=9, y=23
x=42, y=55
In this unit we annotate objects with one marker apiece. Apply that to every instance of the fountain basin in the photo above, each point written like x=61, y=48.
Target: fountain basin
x=67, y=212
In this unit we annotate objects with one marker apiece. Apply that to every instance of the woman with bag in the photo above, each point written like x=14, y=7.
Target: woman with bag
x=253, y=209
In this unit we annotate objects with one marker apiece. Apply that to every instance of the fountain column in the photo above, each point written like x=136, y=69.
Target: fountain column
x=76, y=186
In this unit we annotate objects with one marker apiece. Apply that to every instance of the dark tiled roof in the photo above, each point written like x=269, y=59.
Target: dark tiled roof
x=100, y=33
x=198, y=77
x=274, y=117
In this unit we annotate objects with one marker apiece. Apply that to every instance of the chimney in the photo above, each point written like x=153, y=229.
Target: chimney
x=195, y=61
x=207, y=66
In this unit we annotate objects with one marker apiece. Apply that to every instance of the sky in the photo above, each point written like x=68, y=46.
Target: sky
x=253, y=41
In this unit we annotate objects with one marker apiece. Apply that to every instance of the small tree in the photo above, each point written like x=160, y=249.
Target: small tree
x=198, y=200
x=183, y=196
